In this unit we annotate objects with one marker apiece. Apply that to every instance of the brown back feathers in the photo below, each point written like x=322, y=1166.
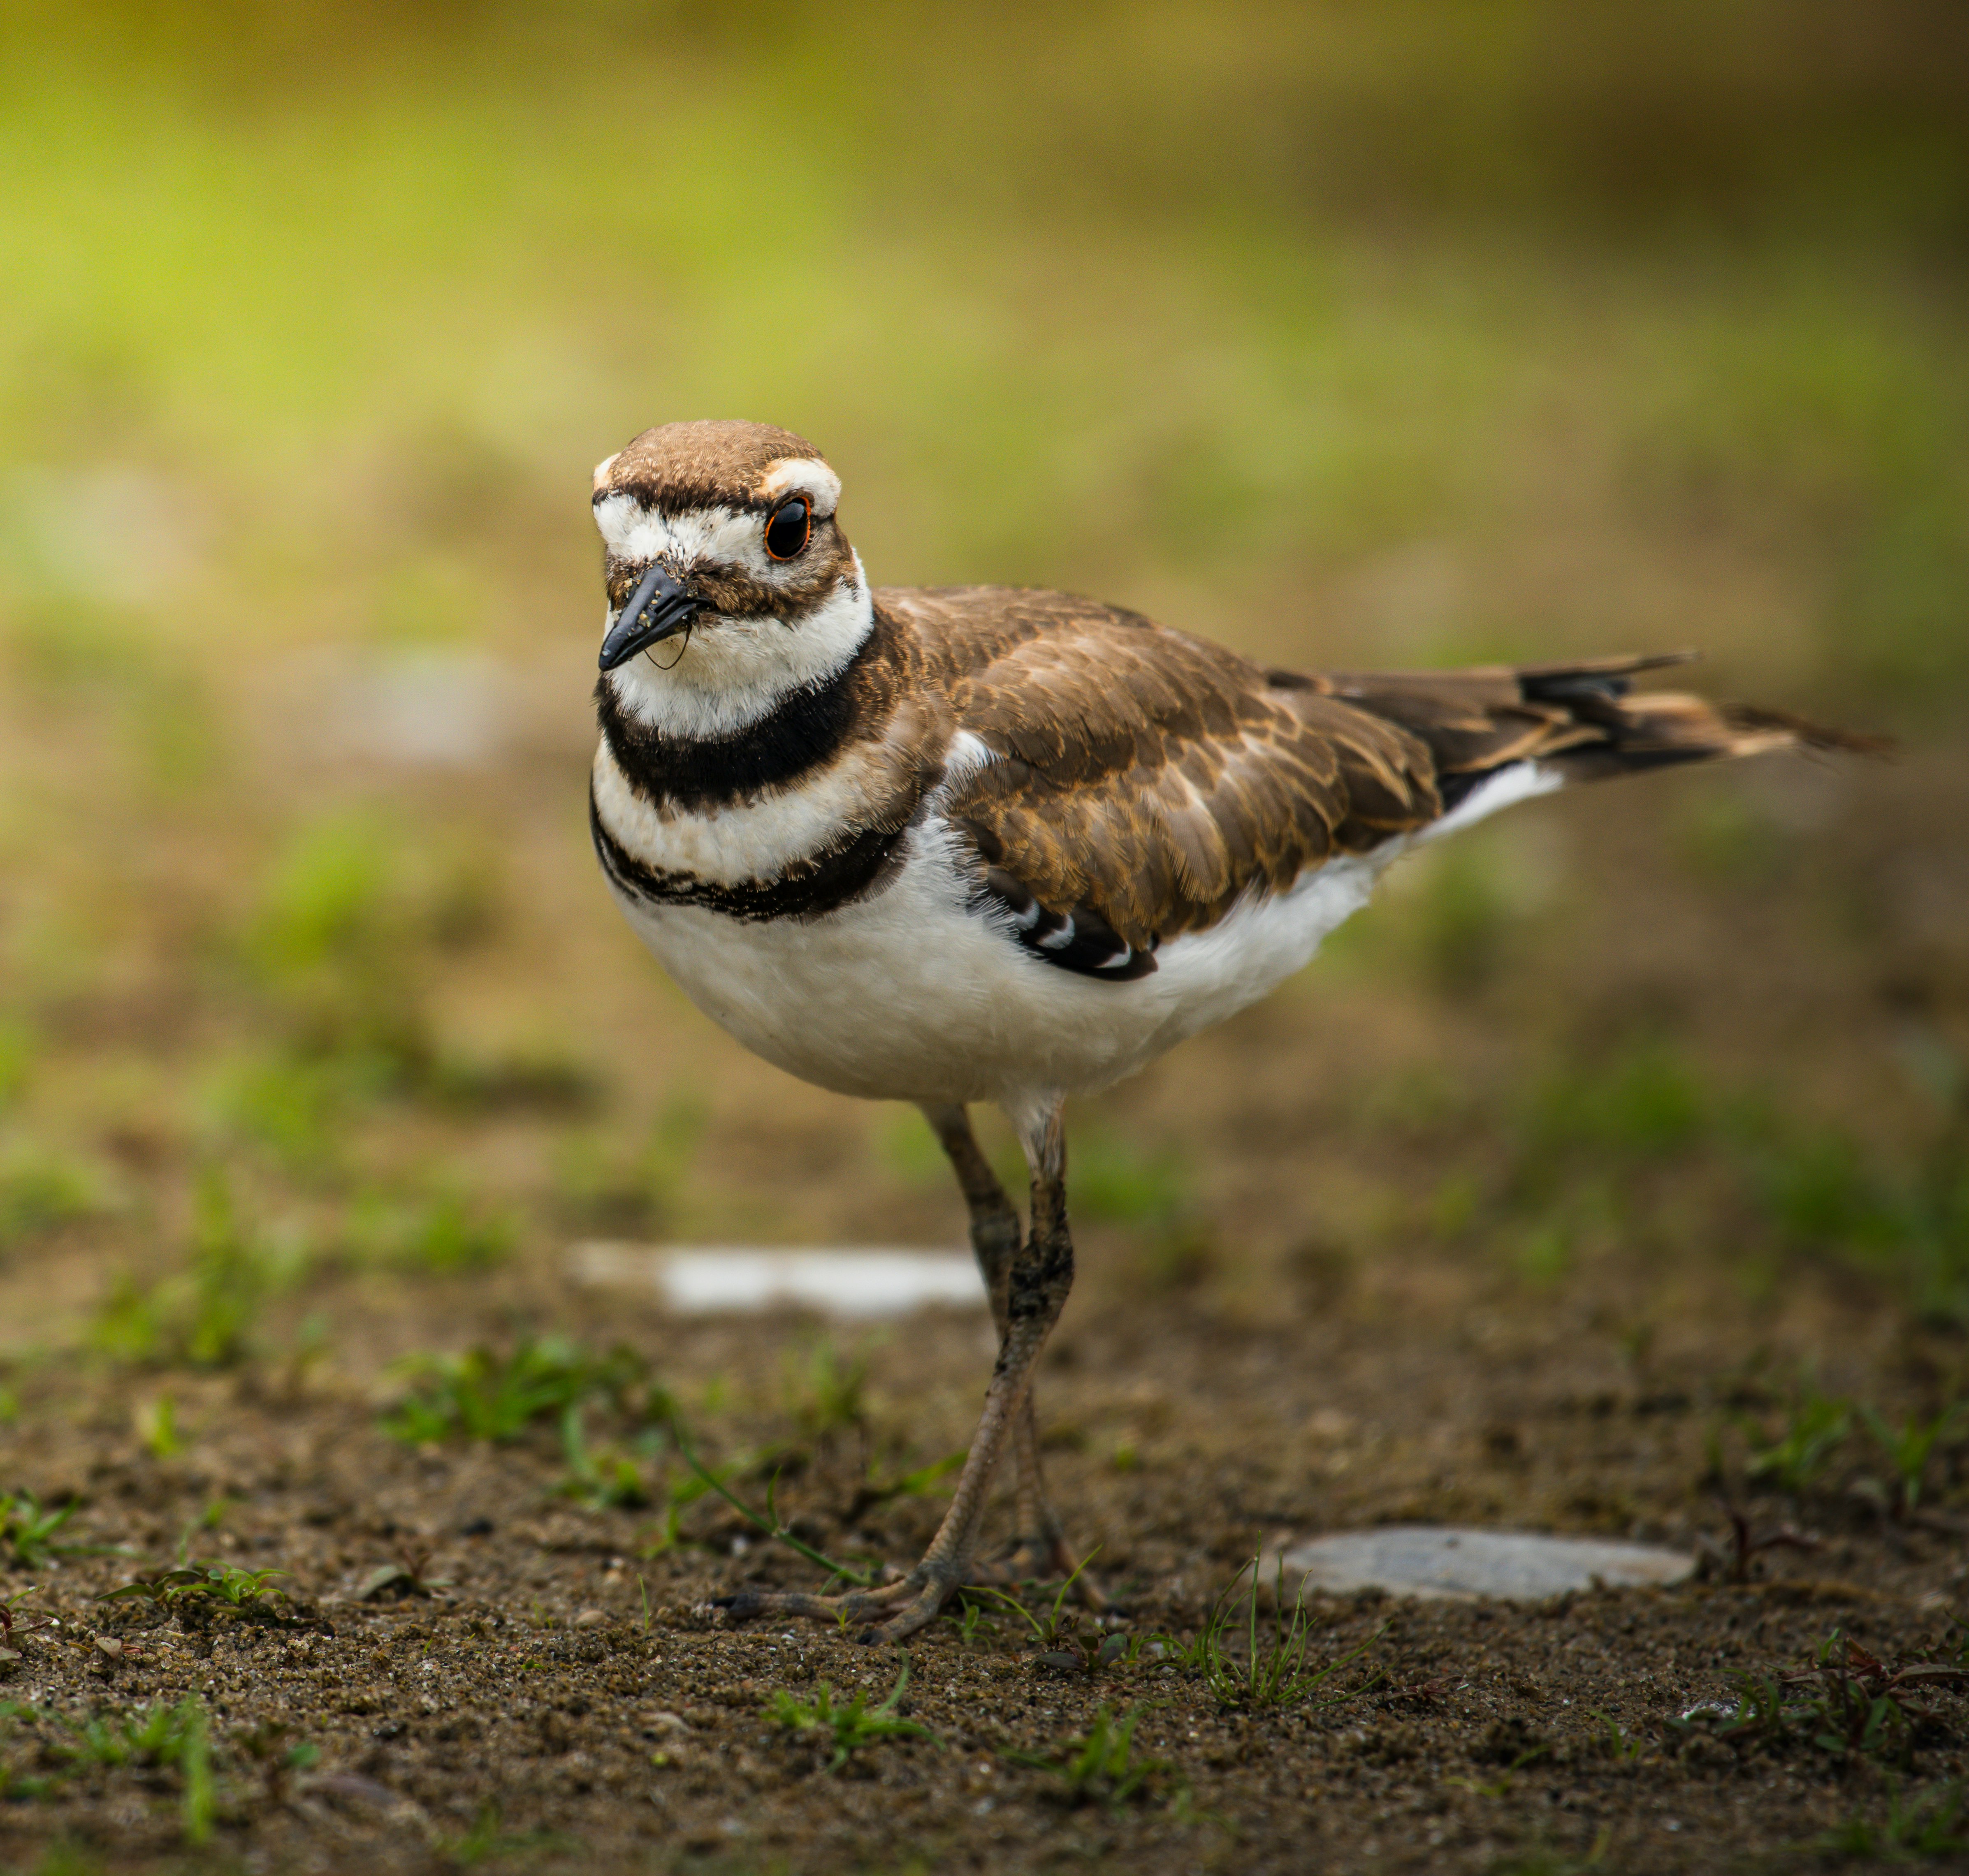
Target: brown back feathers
x=1152, y=778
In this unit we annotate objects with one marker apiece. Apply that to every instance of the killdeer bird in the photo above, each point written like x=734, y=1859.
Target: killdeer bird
x=983, y=843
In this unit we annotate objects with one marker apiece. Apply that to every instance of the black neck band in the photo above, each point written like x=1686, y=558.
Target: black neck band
x=805, y=889
x=800, y=732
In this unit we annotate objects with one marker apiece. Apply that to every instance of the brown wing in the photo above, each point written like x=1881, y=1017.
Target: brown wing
x=1147, y=779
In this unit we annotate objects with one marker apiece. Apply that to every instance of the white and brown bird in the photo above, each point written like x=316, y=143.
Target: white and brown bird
x=986, y=843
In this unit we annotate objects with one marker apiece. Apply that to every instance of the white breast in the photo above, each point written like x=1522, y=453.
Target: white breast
x=909, y=995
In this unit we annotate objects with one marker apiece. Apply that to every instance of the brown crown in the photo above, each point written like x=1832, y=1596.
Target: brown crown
x=680, y=466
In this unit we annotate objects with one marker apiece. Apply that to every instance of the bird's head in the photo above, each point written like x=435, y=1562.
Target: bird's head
x=730, y=585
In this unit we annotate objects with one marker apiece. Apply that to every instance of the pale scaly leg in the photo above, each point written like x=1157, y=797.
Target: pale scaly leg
x=1037, y=1280
x=1039, y=1548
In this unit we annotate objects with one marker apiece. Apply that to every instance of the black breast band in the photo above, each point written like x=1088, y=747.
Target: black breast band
x=805, y=889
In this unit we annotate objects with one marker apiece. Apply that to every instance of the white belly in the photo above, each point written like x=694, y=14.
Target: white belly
x=905, y=996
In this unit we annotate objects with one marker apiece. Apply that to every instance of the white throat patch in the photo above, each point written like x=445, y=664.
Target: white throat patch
x=734, y=672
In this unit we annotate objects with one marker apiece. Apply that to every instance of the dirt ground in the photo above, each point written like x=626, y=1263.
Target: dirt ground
x=531, y=1707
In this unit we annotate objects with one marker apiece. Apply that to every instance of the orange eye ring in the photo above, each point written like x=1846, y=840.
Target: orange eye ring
x=790, y=528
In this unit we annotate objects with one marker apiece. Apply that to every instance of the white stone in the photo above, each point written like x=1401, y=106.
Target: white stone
x=861, y=1285
x=1444, y=1561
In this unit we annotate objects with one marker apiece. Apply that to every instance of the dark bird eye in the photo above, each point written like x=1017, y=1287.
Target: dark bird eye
x=787, y=533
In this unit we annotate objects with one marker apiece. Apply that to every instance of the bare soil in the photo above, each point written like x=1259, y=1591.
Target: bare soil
x=526, y=1707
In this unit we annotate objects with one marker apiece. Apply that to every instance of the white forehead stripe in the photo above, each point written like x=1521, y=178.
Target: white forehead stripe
x=802, y=475
x=601, y=469
x=715, y=535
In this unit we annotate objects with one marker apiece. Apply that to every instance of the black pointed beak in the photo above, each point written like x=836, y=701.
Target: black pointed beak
x=658, y=607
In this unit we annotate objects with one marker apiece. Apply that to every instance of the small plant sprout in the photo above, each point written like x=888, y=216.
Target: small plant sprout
x=40, y=1192
x=849, y=1727
x=1273, y=1669
x=478, y=1395
x=826, y=1399
x=406, y=1577
x=1841, y=1658
x=482, y=1396
x=1622, y=1748
x=770, y=1524
x=680, y=1498
x=871, y=1492
x=267, y=1746
x=205, y=1315
x=216, y=1586
x=147, y=1736
x=1758, y=1714
x=1814, y=1431
x=972, y=1619
x=27, y=1533
x=440, y=1234
x=196, y=1767
x=1927, y=1824
x=1746, y=1544
x=14, y=1784
x=605, y=1480
x=154, y=1735
x=1059, y=1646
x=10, y=1620
x=488, y=1840
x=1848, y=1703
x=155, y=1423
x=1102, y=1767
x=1909, y=1449
x=1500, y=1785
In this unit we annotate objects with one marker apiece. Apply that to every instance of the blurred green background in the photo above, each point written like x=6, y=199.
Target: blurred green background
x=1351, y=334
x=1228, y=299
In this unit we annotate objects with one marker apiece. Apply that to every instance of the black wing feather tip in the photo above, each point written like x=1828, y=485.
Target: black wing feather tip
x=1080, y=941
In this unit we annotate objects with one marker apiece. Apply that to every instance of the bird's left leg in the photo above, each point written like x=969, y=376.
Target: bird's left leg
x=1038, y=1547
x=1040, y=1275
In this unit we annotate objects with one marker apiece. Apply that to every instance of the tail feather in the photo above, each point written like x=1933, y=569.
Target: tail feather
x=1582, y=720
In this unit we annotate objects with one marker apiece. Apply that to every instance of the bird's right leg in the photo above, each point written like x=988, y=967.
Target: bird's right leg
x=1040, y=1275
x=1039, y=1548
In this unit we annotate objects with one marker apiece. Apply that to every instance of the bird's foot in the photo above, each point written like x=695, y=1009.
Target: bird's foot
x=921, y=1593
